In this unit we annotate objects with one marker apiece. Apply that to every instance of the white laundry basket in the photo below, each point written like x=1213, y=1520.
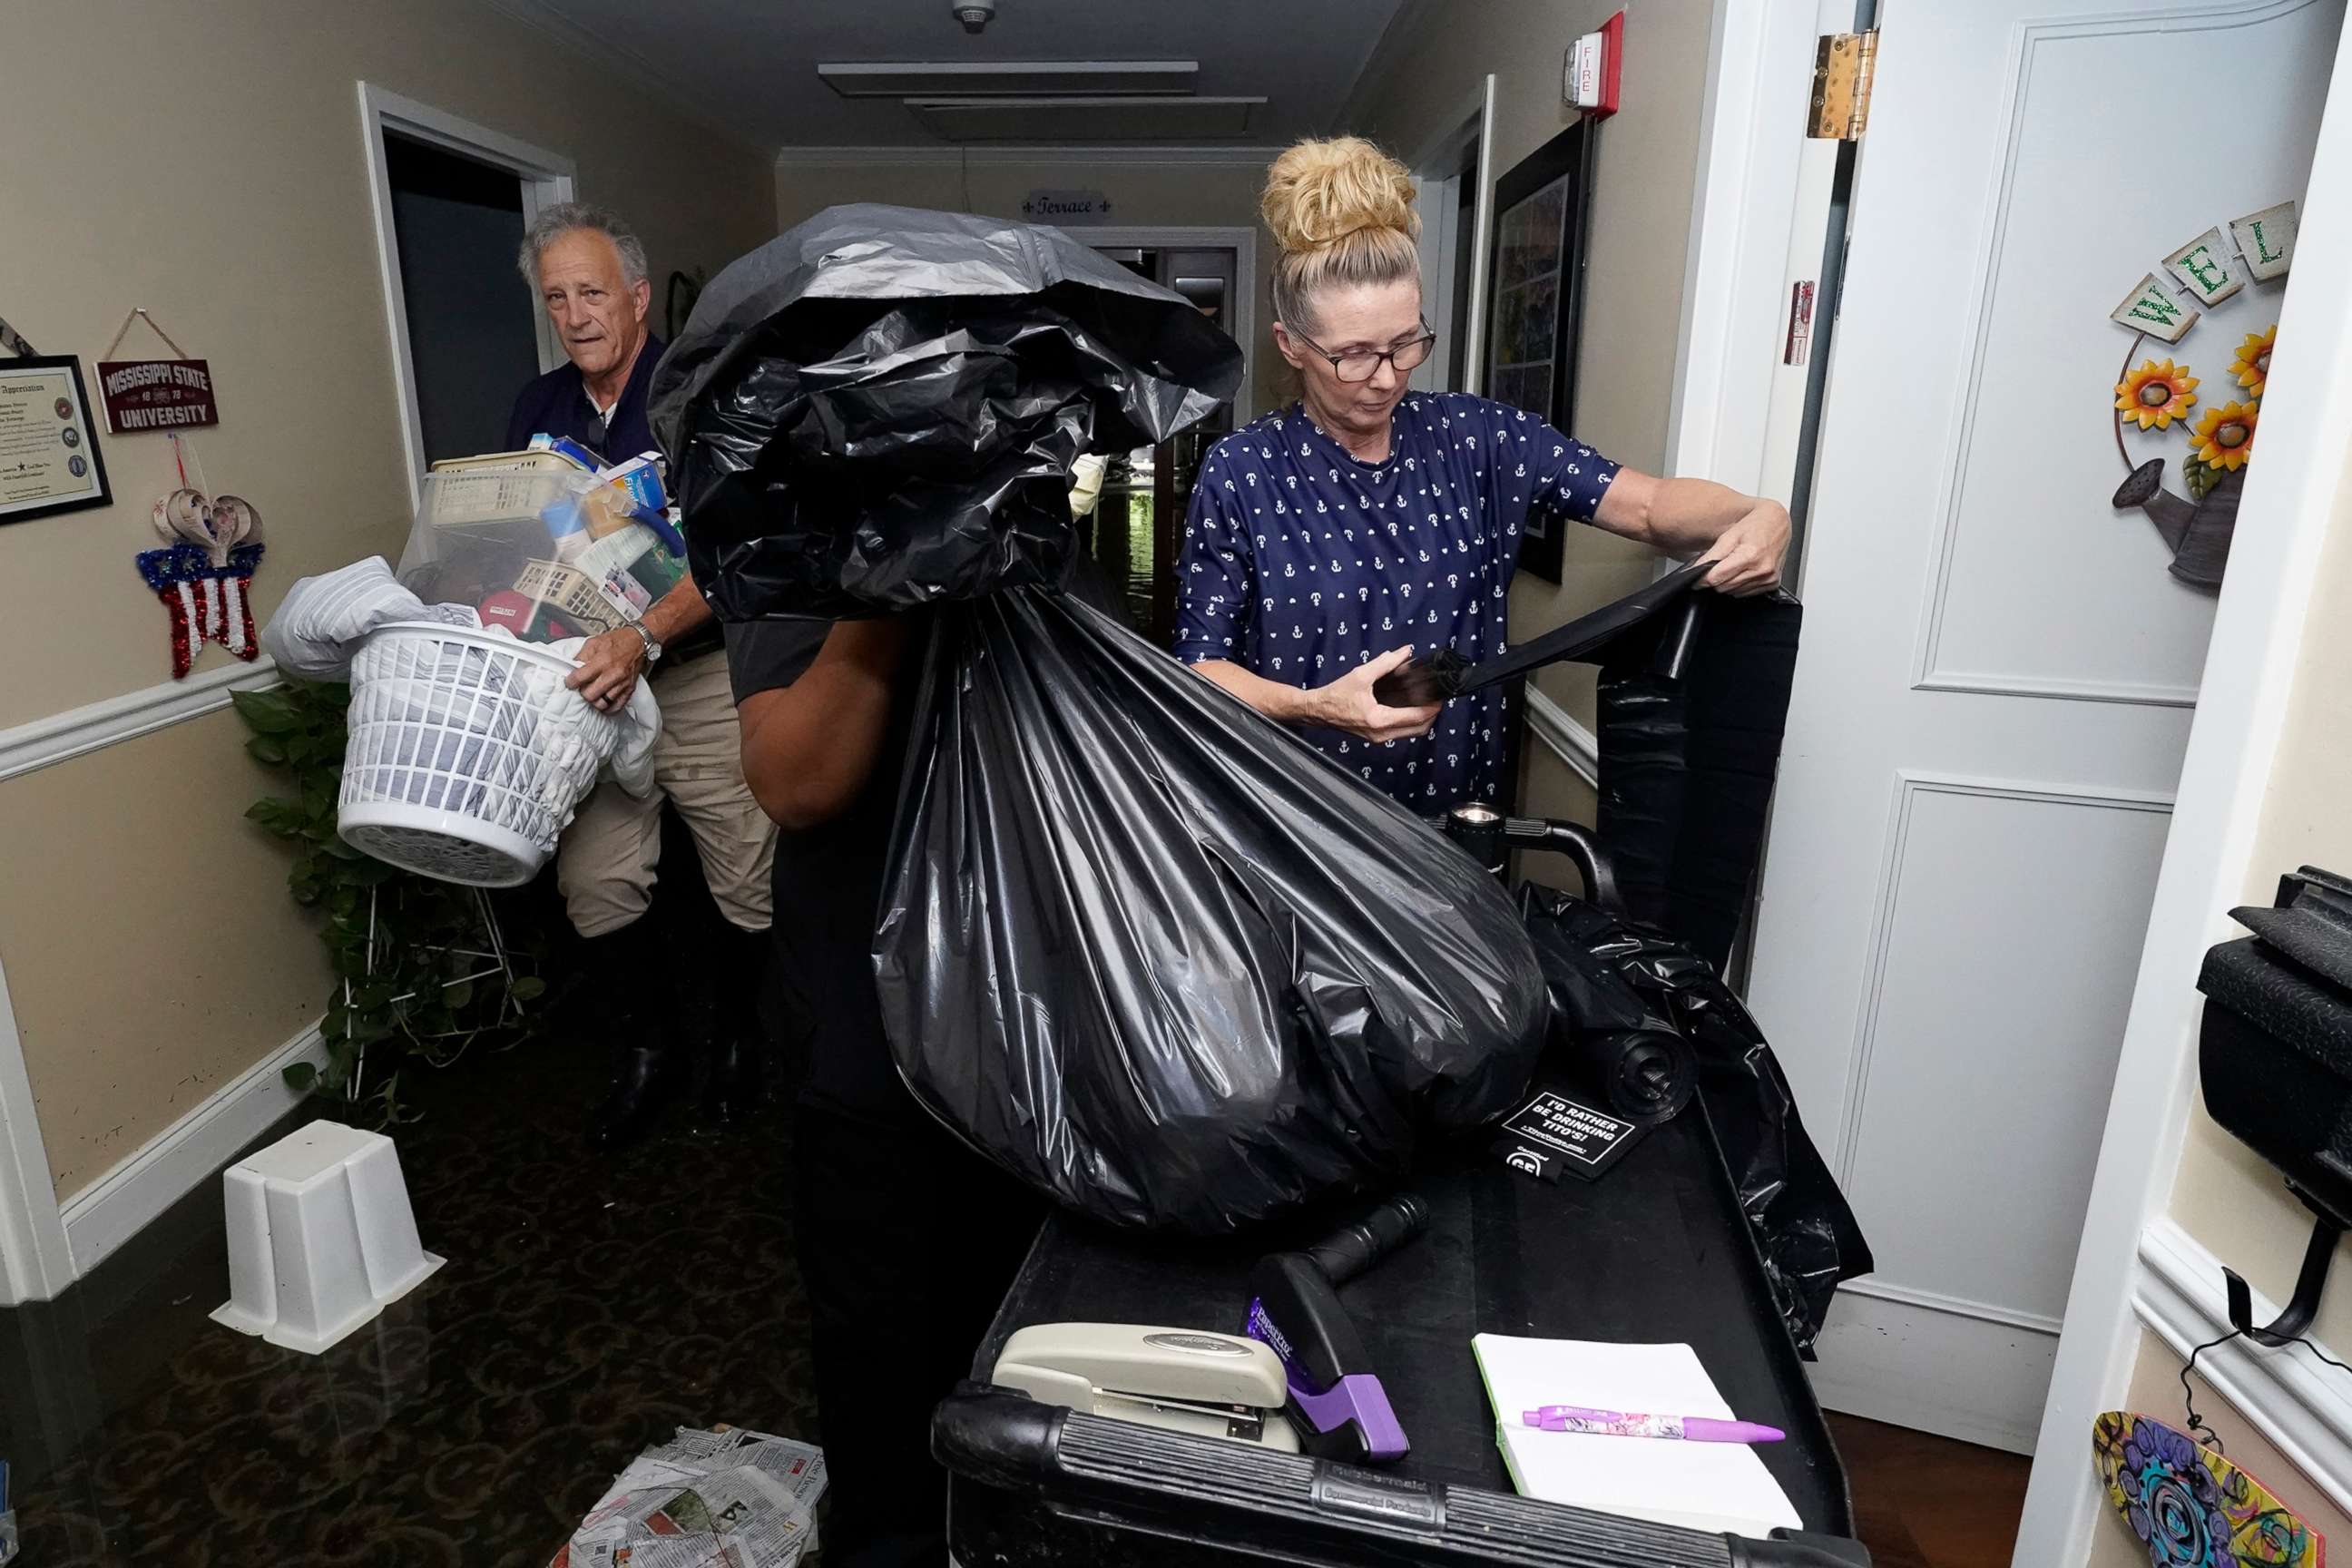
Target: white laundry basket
x=466, y=753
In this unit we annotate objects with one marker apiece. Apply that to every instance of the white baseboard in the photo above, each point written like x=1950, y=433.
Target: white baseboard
x=1570, y=741
x=1911, y=1358
x=2298, y=1402
x=119, y=1204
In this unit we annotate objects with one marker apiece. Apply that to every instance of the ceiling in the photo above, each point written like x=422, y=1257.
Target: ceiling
x=750, y=66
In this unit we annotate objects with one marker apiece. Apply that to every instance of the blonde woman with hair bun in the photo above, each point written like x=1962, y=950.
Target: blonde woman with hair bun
x=1330, y=538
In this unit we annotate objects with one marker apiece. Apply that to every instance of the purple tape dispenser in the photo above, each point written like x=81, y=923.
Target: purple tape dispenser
x=1339, y=1407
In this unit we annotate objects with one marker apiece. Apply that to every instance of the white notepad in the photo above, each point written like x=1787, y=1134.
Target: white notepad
x=1714, y=1487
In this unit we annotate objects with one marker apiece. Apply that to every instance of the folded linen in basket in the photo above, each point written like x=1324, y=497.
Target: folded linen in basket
x=319, y=631
x=632, y=764
x=324, y=619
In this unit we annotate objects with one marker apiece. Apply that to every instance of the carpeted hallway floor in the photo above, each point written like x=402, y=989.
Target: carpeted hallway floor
x=588, y=1308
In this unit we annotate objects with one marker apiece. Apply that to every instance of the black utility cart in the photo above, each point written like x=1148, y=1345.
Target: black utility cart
x=1656, y=1251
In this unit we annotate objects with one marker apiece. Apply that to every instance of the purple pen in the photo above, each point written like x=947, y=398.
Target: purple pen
x=1629, y=1424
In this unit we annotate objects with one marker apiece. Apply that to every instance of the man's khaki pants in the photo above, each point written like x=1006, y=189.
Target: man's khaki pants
x=607, y=862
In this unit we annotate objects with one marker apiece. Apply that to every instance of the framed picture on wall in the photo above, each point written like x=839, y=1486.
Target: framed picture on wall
x=48, y=443
x=1542, y=211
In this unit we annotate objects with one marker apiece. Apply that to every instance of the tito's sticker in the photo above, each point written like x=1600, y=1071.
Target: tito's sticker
x=1552, y=1135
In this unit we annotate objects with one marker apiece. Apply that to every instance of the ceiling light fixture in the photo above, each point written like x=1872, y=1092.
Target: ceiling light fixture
x=1072, y=119
x=1009, y=79
x=973, y=14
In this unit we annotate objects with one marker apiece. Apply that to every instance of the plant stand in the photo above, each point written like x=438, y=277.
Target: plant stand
x=495, y=961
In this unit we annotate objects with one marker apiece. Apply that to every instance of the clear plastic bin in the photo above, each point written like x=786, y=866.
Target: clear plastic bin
x=495, y=505
x=534, y=544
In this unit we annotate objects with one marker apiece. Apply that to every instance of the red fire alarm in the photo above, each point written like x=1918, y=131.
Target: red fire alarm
x=1594, y=64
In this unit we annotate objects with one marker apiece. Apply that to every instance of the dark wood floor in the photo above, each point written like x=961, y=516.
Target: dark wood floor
x=1923, y=1501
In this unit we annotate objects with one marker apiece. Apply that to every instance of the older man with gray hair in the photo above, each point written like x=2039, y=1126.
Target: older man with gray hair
x=589, y=270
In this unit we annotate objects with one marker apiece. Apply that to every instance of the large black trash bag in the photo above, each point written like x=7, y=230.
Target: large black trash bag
x=1804, y=1225
x=879, y=409
x=1163, y=960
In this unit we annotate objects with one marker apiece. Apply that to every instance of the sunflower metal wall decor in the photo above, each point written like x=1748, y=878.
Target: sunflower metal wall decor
x=2209, y=270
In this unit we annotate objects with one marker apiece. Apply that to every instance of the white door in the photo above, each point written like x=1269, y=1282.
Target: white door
x=1998, y=671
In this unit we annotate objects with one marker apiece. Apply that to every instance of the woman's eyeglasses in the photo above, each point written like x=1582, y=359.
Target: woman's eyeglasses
x=1358, y=364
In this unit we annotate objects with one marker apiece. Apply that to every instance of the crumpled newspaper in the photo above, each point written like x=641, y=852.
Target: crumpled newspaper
x=719, y=1499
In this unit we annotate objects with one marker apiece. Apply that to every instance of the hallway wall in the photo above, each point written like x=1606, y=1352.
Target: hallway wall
x=1646, y=173
x=2268, y=800
x=2225, y=1197
x=206, y=160
x=2225, y=1194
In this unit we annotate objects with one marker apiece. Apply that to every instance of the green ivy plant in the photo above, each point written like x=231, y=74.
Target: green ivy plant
x=414, y=973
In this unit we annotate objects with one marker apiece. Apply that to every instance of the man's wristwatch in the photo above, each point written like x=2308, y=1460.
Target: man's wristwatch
x=653, y=642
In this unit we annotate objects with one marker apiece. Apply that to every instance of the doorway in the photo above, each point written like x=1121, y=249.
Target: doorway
x=452, y=200
x=1136, y=528
x=1137, y=531
x=1454, y=174
x=1209, y=274
x=471, y=345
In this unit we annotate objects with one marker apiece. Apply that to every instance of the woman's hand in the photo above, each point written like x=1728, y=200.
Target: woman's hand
x=1743, y=538
x=1348, y=704
x=1748, y=554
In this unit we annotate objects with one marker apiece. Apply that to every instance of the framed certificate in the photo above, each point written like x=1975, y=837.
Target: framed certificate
x=49, y=450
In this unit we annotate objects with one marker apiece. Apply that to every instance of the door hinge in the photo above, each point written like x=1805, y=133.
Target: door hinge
x=1842, y=72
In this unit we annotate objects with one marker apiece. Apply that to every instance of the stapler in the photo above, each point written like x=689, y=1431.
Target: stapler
x=1335, y=1400
x=1185, y=1380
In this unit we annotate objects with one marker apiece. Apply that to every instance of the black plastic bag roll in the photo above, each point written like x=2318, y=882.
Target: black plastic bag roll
x=1163, y=960
x=1626, y=1051
x=1688, y=761
x=879, y=409
x=1442, y=675
x=1804, y=1229
x=1644, y=1076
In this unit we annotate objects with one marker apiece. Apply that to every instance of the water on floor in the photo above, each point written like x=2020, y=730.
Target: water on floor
x=589, y=1306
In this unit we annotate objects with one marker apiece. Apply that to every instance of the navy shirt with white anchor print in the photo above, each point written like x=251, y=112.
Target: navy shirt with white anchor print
x=1300, y=563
